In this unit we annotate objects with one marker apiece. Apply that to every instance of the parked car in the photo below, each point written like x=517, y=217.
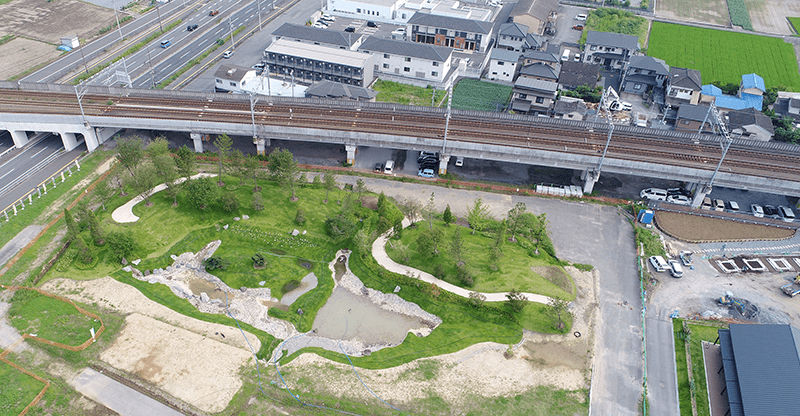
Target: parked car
x=719, y=205
x=379, y=167
x=679, y=200
x=460, y=161
x=659, y=263
x=350, y=29
x=372, y=24
x=191, y=27
x=259, y=65
x=578, y=27
x=675, y=268
x=706, y=203
x=577, y=57
x=757, y=211
x=786, y=213
x=227, y=54
x=686, y=258
x=733, y=206
x=770, y=211
x=213, y=13
x=328, y=18
x=580, y=17
x=654, y=194
x=388, y=168
x=319, y=25
x=426, y=173
x=678, y=191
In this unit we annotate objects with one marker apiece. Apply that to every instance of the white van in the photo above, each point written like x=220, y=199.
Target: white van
x=675, y=268
x=389, y=168
x=786, y=213
x=655, y=194
x=659, y=263
x=565, y=55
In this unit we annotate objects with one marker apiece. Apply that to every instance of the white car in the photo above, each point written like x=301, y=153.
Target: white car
x=654, y=194
x=580, y=17
x=675, y=268
x=227, y=54
x=659, y=263
x=757, y=211
x=679, y=200
x=460, y=161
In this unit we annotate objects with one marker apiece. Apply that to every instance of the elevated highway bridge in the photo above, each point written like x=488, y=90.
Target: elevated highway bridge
x=771, y=167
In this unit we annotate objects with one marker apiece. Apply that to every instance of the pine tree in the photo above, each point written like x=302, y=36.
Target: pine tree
x=72, y=227
x=448, y=216
x=95, y=229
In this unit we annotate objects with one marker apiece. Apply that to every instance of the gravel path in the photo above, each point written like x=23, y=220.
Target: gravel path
x=125, y=214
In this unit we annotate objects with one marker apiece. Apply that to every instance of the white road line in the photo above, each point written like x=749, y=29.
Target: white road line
x=9, y=172
x=37, y=153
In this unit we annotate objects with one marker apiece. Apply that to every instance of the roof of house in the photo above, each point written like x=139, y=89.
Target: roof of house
x=693, y=112
x=641, y=79
x=313, y=34
x=566, y=105
x=612, y=39
x=685, y=78
x=540, y=9
x=753, y=81
x=504, y=55
x=319, y=53
x=749, y=117
x=330, y=89
x=540, y=69
x=513, y=29
x=574, y=74
x=534, y=41
x=231, y=72
x=412, y=49
x=762, y=368
x=730, y=102
x=649, y=63
x=465, y=25
x=536, y=84
x=540, y=56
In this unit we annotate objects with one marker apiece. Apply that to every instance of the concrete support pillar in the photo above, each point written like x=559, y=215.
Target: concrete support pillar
x=105, y=133
x=351, y=153
x=443, y=164
x=700, y=192
x=198, y=142
x=20, y=138
x=90, y=137
x=589, y=178
x=69, y=140
x=260, y=145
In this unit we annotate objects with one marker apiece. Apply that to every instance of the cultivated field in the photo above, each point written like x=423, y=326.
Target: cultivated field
x=22, y=53
x=471, y=94
x=770, y=15
x=695, y=228
x=725, y=56
x=705, y=11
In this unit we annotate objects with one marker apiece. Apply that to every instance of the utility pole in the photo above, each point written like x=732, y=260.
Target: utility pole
x=159, y=18
x=230, y=28
x=253, y=102
x=80, y=95
x=447, y=120
x=152, y=73
x=258, y=3
x=116, y=16
x=80, y=47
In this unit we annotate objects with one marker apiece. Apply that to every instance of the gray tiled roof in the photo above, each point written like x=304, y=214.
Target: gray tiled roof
x=540, y=56
x=750, y=116
x=685, y=78
x=649, y=63
x=534, y=41
x=565, y=106
x=539, y=9
x=612, y=39
x=513, y=29
x=504, y=55
x=539, y=69
x=330, y=89
x=313, y=34
x=574, y=74
x=536, y=84
x=412, y=49
x=693, y=112
x=454, y=23
x=231, y=72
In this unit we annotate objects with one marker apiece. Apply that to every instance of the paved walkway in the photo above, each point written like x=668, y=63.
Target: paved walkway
x=119, y=397
x=125, y=214
x=379, y=252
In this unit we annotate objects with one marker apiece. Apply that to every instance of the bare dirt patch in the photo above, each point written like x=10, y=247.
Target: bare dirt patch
x=704, y=11
x=770, y=15
x=21, y=54
x=49, y=21
x=207, y=378
x=694, y=228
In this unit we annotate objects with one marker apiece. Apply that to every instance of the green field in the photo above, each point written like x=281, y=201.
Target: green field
x=725, y=56
x=795, y=21
x=51, y=319
x=698, y=333
x=17, y=389
x=395, y=92
x=472, y=94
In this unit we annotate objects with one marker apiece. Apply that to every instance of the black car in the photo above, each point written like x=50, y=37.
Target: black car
x=429, y=165
x=350, y=29
x=770, y=211
x=191, y=27
x=372, y=24
x=678, y=191
x=379, y=167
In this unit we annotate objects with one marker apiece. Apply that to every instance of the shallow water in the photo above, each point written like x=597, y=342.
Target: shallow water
x=198, y=286
x=347, y=316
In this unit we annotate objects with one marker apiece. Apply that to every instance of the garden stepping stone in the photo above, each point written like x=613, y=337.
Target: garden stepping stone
x=236, y=218
x=295, y=233
x=262, y=283
x=226, y=226
x=245, y=217
x=396, y=289
x=127, y=269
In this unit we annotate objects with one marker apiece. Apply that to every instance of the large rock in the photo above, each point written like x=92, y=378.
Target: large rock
x=203, y=297
x=295, y=233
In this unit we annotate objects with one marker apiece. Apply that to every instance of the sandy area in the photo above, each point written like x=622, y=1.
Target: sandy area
x=50, y=21
x=208, y=377
x=21, y=54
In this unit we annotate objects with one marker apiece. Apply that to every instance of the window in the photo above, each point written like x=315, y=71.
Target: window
x=406, y=69
x=358, y=10
x=523, y=96
x=414, y=28
x=500, y=63
x=386, y=56
x=434, y=74
x=408, y=59
x=685, y=121
x=494, y=73
x=637, y=86
x=233, y=84
x=539, y=100
x=593, y=48
x=219, y=81
x=435, y=63
x=403, y=16
x=385, y=66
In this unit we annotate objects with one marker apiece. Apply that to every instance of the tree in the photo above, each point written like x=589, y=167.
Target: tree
x=340, y=227
x=410, y=208
x=464, y=275
x=283, y=168
x=585, y=93
x=403, y=252
x=216, y=263
x=382, y=204
x=144, y=180
x=537, y=228
x=94, y=229
x=130, y=153
x=516, y=300
x=223, y=144
x=250, y=169
x=121, y=245
x=448, y=217
x=201, y=193
x=72, y=227
x=236, y=163
x=258, y=202
x=514, y=216
x=158, y=147
x=478, y=215
x=185, y=162
x=329, y=181
x=559, y=313
x=259, y=262
x=428, y=242
x=84, y=253
x=300, y=217
x=430, y=211
x=167, y=172
x=456, y=246
x=476, y=299
x=316, y=183
x=360, y=189
x=103, y=192
x=229, y=202
x=361, y=242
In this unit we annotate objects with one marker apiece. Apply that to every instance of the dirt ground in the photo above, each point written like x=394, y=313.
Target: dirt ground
x=770, y=15
x=50, y=21
x=21, y=54
x=714, y=12
x=696, y=228
x=560, y=361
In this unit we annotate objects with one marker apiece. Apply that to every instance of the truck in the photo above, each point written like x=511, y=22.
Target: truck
x=641, y=120
x=792, y=289
x=686, y=258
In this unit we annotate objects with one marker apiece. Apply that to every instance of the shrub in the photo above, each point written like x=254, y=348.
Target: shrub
x=583, y=267
x=84, y=253
x=121, y=244
x=290, y=286
x=258, y=202
x=215, y=263
x=229, y=203
x=340, y=227
x=259, y=260
x=300, y=217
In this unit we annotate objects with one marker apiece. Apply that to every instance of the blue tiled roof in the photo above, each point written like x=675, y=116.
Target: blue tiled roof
x=733, y=103
x=752, y=101
x=711, y=89
x=753, y=81
x=730, y=102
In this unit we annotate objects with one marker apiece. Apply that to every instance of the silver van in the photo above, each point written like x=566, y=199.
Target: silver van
x=786, y=213
x=389, y=168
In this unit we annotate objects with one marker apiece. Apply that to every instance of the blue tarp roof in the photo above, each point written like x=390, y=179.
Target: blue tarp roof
x=711, y=90
x=733, y=103
x=753, y=81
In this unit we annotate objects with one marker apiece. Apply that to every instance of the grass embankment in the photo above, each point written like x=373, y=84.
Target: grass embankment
x=697, y=387
x=395, y=92
x=616, y=21
x=18, y=389
x=473, y=94
x=515, y=268
x=726, y=56
x=650, y=241
x=795, y=22
x=694, y=228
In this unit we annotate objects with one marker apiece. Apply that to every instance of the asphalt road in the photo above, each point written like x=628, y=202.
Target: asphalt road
x=118, y=397
x=662, y=390
x=25, y=162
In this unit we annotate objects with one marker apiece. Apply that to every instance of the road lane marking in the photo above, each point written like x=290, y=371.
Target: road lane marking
x=9, y=172
x=37, y=153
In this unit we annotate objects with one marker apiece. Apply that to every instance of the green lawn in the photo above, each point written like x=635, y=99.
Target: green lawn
x=698, y=333
x=795, y=21
x=616, y=21
x=395, y=92
x=472, y=94
x=17, y=389
x=51, y=319
x=725, y=56
x=515, y=268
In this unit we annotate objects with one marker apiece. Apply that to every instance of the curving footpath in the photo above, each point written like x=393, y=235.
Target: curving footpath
x=125, y=214
x=379, y=252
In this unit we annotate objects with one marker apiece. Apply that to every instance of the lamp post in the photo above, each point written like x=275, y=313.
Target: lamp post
x=258, y=3
x=159, y=17
x=116, y=16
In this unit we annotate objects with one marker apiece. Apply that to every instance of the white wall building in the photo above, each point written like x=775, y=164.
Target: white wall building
x=410, y=63
x=503, y=65
x=399, y=11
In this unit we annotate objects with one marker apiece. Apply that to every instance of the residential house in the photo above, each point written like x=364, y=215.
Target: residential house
x=339, y=91
x=570, y=108
x=533, y=96
x=512, y=36
x=542, y=71
x=750, y=94
x=751, y=124
x=410, y=63
x=503, y=65
x=310, y=63
x=683, y=86
x=536, y=14
x=691, y=117
x=231, y=78
x=645, y=74
x=532, y=57
x=534, y=42
x=466, y=34
x=398, y=12
x=610, y=50
x=788, y=105
x=316, y=36
x=574, y=74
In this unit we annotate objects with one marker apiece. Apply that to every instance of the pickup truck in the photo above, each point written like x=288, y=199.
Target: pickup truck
x=641, y=120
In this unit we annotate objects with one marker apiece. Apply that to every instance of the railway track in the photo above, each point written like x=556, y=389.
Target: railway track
x=405, y=121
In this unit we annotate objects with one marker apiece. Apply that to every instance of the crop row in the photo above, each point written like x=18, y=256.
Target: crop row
x=739, y=14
